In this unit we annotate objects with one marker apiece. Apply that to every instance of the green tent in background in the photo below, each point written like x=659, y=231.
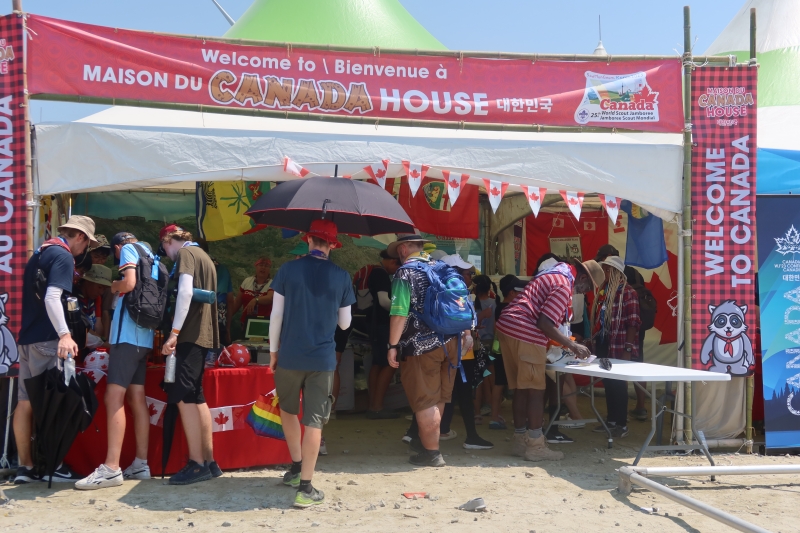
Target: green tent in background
x=382, y=23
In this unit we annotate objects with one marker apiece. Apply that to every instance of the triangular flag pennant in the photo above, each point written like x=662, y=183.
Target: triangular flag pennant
x=416, y=173
x=455, y=183
x=496, y=190
x=156, y=409
x=574, y=201
x=611, y=203
x=291, y=167
x=535, y=197
x=378, y=172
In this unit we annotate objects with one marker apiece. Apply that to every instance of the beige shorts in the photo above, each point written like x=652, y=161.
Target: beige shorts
x=428, y=378
x=34, y=359
x=525, y=363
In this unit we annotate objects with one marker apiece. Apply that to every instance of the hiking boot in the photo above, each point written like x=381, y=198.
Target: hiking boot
x=191, y=473
x=101, y=478
x=554, y=436
x=291, y=480
x=518, y=445
x=427, y=458
x=307, y=499
x=537, y=450
x=477, y=443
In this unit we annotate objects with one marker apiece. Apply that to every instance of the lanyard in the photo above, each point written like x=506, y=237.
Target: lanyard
x=318, y=253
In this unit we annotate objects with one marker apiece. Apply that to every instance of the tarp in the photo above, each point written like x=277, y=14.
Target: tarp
x=130, y=148
x=778, y=54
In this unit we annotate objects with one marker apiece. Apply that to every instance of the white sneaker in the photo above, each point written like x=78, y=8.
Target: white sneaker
x=101, y=478
x=323, y=450
x=450, y=435
x=137, y=471
x=570, y=424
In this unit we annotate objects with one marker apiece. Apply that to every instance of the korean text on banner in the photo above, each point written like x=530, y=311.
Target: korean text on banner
x=68, y=58
x=779, y=290
x=724, y=211
x=12, y=186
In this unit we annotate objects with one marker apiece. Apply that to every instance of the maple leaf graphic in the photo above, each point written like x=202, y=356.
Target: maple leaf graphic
x=534, y=197
x=611, y=203
x=453, y=184
x=90, y=374
x=151, y=408
x=648, y=95
x=91, y=358
x=221, y=419
x=380, y=173
x=495, y=191
x=790, y=244
x=573, y=201
x=414, y=174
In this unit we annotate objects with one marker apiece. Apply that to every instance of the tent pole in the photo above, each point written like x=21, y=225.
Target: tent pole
x=751, y=379
x=687, y=208
x=677, y=421
x=16, y=5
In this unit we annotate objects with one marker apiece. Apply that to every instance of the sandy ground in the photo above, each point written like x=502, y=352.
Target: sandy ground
x=367, y=471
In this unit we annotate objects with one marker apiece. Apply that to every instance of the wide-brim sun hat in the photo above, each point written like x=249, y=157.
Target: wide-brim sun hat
x=83, y=224
x=99, y=274
x=615, y=262
x=595, y=272
x=403, y=238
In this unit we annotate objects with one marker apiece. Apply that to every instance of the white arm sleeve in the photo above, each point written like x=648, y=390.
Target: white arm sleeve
x=55, y=311
x=344, y=317
x=276, y=322
x=183, y=300
x=384, y=300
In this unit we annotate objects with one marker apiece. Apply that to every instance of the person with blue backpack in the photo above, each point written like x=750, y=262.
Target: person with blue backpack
x=431, y=317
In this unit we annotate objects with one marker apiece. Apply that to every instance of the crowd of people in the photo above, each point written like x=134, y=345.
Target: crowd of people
x=583, y=307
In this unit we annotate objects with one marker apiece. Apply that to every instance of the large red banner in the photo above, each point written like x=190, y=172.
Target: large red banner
x=68, y=58
x=724, y=214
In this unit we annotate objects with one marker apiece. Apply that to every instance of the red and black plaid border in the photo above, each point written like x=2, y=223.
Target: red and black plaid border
x=13, y=221
x=717, y=133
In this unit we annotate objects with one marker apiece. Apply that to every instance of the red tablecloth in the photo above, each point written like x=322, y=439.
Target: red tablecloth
x=239, y=448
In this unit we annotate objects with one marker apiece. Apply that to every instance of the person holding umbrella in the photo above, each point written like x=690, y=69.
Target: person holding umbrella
x=44, y=334
x=312, y=296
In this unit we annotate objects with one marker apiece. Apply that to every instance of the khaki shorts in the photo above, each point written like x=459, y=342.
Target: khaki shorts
x=34, y=359
x=428, y=378
x=525, y=363
x=317, y=389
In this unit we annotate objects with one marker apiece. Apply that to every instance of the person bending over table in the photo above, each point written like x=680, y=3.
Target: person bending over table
x=615, y=334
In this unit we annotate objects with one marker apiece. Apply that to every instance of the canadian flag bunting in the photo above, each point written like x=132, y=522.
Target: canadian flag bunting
x=92, y=373
x=574, y=201
x=378, y=172
x=416, y=173
x=496, y=190
x=535, y=196
x=291, y=167
x=229, y=418
x=611, y=203
x=156, y=409
x=455, y=183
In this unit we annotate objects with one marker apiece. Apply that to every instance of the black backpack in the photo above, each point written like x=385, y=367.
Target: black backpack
x=648, y=307
x=146, y=302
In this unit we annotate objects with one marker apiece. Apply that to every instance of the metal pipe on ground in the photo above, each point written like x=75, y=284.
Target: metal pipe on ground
x=716, y=470
x=629, y=477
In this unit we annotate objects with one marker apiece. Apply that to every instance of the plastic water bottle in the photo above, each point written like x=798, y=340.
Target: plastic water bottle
x=69, y=369
x=169, y=372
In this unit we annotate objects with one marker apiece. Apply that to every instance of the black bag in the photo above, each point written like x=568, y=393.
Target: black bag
x=648, y=307
x=480, y=365
x=146, y=302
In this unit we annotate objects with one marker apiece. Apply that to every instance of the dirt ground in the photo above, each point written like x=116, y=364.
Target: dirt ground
x=367, y=471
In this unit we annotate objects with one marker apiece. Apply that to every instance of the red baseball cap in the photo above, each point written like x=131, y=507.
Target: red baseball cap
x=166, y=230
x=325, y=230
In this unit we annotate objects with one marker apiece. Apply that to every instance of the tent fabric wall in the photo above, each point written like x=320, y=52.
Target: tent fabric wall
x=130, y=148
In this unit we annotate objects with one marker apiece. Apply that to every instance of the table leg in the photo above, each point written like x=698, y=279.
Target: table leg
x=694, y=430
x=600, y=418
x=4, y=463
x=558, y=403
x=653, y=418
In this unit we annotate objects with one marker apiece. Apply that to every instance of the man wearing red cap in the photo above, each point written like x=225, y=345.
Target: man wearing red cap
x=312, y=296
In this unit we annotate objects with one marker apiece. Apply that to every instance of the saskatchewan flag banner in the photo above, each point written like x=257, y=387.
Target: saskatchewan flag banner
x=221, y=207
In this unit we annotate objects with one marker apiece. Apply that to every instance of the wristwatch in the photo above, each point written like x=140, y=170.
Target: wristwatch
x=392, y=346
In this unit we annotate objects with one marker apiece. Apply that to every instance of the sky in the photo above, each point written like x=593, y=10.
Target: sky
x=562, y=26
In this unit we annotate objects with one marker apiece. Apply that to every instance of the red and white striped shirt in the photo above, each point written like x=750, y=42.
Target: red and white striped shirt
x=550, y=294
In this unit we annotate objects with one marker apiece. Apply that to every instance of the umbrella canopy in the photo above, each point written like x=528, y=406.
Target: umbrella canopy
x=356, y=207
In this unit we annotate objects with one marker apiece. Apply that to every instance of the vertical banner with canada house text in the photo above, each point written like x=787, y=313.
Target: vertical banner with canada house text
x=724, y=216
x=13, y=221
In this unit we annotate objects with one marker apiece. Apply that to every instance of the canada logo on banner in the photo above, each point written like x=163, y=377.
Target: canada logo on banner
x=416, y=173
x=378, y=172
x=611, y=204
x=291, y=167
x=535, y=196
x=455, y=183
x=574, y=201
x=496, y=190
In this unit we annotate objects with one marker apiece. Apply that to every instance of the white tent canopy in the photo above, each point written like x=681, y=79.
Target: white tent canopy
x=125, y=148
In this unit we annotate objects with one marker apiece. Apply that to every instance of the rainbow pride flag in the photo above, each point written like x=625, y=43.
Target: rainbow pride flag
x=265, y=417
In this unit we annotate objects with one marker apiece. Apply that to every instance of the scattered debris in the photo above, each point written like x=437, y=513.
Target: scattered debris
x=529, y=474
x=314, y=524
x=396, y=505
x=382, y=503
x=188, y=510
x=180, y=517
x=118, y=519
x=226, y=524
x=475, y=505
x=414, y=495
x=352, y=482
x=370, y=507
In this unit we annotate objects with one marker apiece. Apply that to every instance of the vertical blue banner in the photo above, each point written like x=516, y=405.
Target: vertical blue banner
x=779, y=291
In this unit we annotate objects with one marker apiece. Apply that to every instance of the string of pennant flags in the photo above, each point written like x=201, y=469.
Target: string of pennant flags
x=495, y=189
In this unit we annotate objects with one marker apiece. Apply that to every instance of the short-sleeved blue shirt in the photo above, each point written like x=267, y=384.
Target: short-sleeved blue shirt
x=314, y=290
x=130, y=333
x=58, y=267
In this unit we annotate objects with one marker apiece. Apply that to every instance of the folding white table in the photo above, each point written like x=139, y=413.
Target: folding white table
x=639, y=372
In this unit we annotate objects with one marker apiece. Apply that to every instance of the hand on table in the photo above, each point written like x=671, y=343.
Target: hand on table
x=251, y=305
x=580, y=351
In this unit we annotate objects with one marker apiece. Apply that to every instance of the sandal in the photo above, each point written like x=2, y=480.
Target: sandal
x=497, y=425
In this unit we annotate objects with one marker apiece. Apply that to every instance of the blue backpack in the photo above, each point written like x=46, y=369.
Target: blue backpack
x=448, y=309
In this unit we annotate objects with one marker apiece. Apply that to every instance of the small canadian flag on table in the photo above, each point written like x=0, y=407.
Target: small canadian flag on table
x=416, y=173
x=455, y=184
x=229, y=418
x=156, y=409
x=611, y=203
x=574, y=201
x=496, y=190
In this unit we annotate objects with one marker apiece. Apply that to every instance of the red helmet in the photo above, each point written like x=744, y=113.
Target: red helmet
x=235, y=355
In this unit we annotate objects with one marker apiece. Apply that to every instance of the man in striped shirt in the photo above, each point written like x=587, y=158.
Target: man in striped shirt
x=523, y=329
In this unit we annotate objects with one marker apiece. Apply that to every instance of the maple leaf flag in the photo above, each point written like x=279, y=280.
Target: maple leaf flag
x=93, y=374
x=416, y=173
x=535, y=197
x=229, y=418
x=156, y=409
x=378, y=172
x=455, y=184
x=496, y=190
x=291, y=167
x=574, y=201
x=611, y=204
